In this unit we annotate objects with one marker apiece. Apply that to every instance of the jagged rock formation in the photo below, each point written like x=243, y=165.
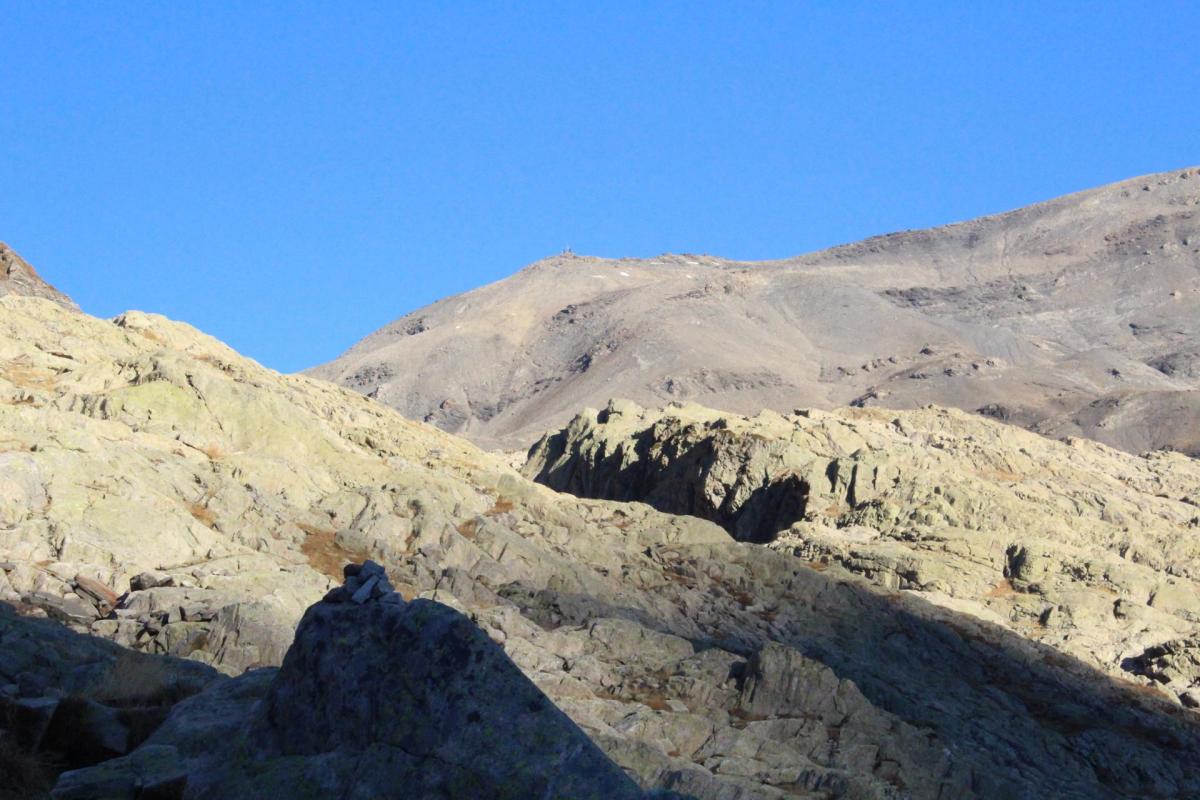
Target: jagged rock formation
x=18, y=277
x=1078, y=316
x=138, y=450
x=1090, y=549
x=376, y=698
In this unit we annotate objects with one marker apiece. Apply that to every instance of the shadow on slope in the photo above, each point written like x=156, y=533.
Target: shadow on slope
x=1015, y=719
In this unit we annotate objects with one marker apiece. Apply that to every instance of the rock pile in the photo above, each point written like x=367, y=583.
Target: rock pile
x=365, y=582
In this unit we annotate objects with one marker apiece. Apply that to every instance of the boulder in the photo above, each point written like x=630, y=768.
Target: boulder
x=150, y=580
x=154, y=772
x=416, y=695
x=72, y=610
x=377, y=699
x=104, y=598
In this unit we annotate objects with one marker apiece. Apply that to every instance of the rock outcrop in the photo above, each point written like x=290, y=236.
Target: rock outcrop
x=69, y=701
x=376, y=698
x=1075, y=317
x=1090, y=549
x=217, y=500
x=18, y=277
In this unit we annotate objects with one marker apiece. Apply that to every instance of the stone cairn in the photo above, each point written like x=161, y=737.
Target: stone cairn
x=365, y=582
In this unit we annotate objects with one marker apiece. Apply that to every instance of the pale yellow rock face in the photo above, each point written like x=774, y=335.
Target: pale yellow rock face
x=141, y=444
x=1090, y=549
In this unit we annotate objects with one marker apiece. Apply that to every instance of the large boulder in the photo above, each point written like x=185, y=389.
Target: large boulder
x=376, y=698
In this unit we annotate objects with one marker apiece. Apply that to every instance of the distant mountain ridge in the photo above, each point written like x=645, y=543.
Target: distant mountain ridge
x=1076, y=316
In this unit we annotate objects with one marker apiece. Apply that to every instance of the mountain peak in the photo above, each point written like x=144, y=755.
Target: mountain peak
x=1073, y=316
x=17, y=276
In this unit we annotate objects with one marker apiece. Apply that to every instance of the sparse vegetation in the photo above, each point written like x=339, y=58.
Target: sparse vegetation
x=202, y=513
x=324, y=553
x=1002, y=589
x=502, y=505
x=24, y=374
x=468, y=529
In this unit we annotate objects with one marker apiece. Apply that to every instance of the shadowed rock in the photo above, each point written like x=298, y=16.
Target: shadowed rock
x=376, y=698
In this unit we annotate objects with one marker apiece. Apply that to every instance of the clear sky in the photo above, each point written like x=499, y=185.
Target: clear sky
x=290, y=176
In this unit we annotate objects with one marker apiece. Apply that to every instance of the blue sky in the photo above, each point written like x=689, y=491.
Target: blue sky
x=290, y=176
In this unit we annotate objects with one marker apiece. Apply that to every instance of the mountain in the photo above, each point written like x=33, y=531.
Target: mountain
x=160, y=491
x=18, y=277
x=1078, y=316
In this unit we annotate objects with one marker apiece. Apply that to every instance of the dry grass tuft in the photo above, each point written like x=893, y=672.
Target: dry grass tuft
x=202, y=513
x=1002, y=475
x=739, y=717
x=152, y=336
x=468, y=529
x=501, y=506
x=213, y=451
x=833, y=511
x=324, y=554
x=1002, y=589
x=1145, y=690
x=656, y=701
x=213, y=361
x=20, y=372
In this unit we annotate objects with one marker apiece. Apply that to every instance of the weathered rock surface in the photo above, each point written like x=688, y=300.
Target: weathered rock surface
x=71, y=700
x=1079, y=316
x=141, y=446
x=18, y=277
x=376, y=698
x=1074, y=544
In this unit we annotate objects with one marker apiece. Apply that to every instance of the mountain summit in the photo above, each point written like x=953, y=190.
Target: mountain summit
x=1077, y=316
x=18, y=277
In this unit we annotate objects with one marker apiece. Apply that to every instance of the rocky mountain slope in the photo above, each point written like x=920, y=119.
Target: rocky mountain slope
x=159, y=490
x=374, y=695
x=1078, y=316
x=1089, y=549
x=18, y=277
